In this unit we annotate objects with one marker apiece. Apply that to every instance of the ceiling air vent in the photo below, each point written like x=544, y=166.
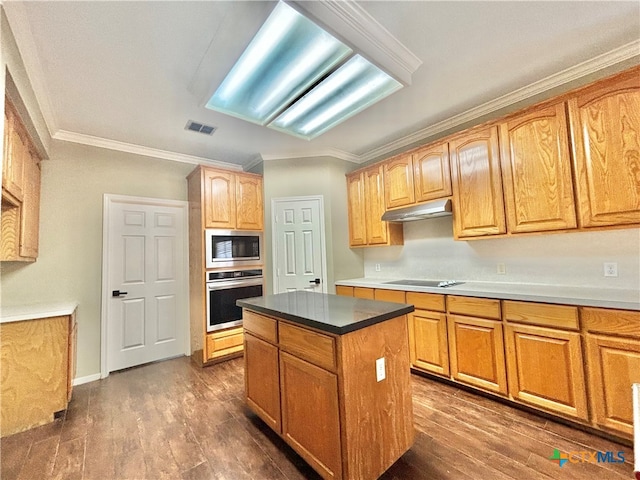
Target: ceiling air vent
x=199, y=127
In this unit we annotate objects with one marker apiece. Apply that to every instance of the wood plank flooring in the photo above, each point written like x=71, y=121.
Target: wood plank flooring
x=173, y=420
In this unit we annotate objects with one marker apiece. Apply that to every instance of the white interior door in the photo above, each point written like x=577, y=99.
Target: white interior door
x=145, y=259
x=299, y=245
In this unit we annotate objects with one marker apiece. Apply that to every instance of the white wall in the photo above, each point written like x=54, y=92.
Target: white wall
x=319, y=176
x=69, y=265
x=572, y=259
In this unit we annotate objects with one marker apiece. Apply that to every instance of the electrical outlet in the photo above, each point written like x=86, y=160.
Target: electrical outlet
x=380, y=370
x=377, y=267
x=501, y=269
x=610, y=269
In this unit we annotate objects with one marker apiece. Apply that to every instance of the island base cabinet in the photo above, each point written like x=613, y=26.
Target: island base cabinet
x=310, y=414
x=261, y=380
x=545, y=369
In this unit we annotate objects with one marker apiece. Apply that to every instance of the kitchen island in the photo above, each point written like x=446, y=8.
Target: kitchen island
x=331, y=376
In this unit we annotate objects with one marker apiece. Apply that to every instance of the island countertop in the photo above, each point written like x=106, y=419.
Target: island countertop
x=330, y=313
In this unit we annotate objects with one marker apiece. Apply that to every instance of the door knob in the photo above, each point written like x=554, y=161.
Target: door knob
x=316, y=281
x=118, y=293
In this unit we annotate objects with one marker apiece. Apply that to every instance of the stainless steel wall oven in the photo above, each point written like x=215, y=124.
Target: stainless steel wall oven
x=223, y=289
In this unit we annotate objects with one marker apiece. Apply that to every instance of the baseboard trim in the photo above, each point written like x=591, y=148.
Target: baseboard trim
x=87, y=379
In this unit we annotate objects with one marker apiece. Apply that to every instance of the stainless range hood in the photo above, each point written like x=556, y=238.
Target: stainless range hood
x=436, y=208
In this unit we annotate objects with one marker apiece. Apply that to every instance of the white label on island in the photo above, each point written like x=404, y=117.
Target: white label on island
x=380, y=371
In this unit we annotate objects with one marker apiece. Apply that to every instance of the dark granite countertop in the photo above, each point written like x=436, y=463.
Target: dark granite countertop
x=331, y=313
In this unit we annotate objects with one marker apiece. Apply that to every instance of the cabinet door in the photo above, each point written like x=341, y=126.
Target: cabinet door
x=262, y=380
x=614, y=365
x=219, y=199
x=431, y=172
x=605, y=133
x=356, y=205
x=398, y=182
x=310, y=414
x=250, y=209
x=477, y=353
x=536, y=169
x=428, y=335
x=14, y=149
x=477, y=185
x=374, y=203
x=545, y=369
x=30, y=218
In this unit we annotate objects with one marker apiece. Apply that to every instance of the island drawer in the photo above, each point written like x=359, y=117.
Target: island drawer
x=475, y=307
x=312, y=346
x=261, y=326
x=426, y=301
x=624, y=323
x=561, y=316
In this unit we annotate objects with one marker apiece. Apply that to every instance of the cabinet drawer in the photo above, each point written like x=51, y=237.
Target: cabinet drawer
x=224, y=343
x=476, y=307
x=383, y=295
x=344, y=290
x=315, y=347
x=624, y=323
x=426, y=301
x=560, y=316
x=363, y=292
x=260, y=325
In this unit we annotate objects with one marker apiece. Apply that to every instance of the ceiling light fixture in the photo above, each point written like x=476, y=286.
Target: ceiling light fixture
x=298, y=79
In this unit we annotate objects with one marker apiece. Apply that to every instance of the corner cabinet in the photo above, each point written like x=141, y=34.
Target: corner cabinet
x=536, y=169
x=365, y=192
x=605, y=132
x=477, y=184
x=20, y=220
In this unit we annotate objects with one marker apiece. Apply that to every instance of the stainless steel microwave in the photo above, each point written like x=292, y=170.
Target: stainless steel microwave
x=233, y=248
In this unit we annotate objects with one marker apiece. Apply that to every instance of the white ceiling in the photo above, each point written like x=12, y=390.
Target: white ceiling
x=129, y=75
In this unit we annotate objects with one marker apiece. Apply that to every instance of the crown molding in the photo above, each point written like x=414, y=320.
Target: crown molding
x=108, y=144
x=21, y=30
x=327, y=152
x=588, y=67
x=358, y=28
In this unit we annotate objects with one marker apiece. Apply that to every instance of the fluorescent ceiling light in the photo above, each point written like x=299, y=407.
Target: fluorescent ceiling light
x=298, y=79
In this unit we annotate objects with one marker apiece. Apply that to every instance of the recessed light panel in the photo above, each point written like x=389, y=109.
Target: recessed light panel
x=286, y=57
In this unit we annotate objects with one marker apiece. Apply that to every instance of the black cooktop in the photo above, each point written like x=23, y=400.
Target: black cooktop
x=425, y=283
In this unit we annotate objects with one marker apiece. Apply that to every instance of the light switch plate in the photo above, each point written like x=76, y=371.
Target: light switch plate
x=380, y=370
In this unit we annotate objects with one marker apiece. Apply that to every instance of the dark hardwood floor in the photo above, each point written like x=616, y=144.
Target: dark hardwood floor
x=173, y=420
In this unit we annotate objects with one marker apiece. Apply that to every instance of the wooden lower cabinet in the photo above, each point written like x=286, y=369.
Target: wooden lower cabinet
x=476, y=353
x=224, y=342
x=310, y=414
x=428, y=341
x=545, y=369
x=613, y=353
x=38, y=362
x=262, y=380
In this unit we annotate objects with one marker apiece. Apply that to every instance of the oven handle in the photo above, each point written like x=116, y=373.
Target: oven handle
x=224, y=285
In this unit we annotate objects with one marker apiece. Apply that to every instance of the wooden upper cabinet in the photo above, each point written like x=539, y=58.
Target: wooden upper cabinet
x=374, y=206
x=365, y=191
x=605, y=132
x=15, y=149
x=477, y=184
x=232, y=200
x=219, y=199
x=249, y=202
x=356, y=205
x=30, y=218
x=431, y=172
x=536, y=171
x=398, y=181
